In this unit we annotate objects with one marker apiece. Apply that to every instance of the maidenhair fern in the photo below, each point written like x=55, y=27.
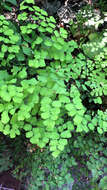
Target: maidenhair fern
x=45, y=88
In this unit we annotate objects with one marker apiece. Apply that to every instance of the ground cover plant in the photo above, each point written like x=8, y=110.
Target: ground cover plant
x=53, y=90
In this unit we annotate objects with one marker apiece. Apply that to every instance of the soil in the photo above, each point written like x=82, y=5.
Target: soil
x=9, y=182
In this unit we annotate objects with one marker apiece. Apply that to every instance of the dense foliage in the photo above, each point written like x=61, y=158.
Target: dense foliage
x=53, y=90
x=46, y=89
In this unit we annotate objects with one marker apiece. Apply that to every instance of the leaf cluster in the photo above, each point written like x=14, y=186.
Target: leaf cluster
x=44, y=87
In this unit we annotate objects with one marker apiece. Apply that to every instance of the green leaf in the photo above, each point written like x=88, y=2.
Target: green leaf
x=29, y=1
x=54, y=135
x=49, y=124
x=56, y=153
x=1, y=126
x=36, y=132
x=100, y=131
x=26, y=50
x=44, y=12
x=64, y=99
x=4, y=117
x=41, y=144
x=29, y=134
x=27, y=127
x=22, y=74
x=77, y=119
x=63, y=142
x=38, y=40
x=13, y=2
x=66, y=134
x=91, y=126
x=52, y=19
x=17, y=132
x=45, y=115
x=17, y=99
x=53, y=142
x=42, y=29
x=85, y=128
x=60, y=147
x=61, y=41
x=72, y=112
x=69, y=107
x=57, y=46
x=53, y=148
x=78, y=104
x=48, y=29
x=44, y=24
x=1, y=107
x=103, y=183
x=46, y=100
x=34, y=140
x=4, y=48
x=79, y=128
x=37, y=8
x=6, y=130
x=51, y=25
x=48, y=43
x=12, y=133
x=105, y=126
x=56, y=104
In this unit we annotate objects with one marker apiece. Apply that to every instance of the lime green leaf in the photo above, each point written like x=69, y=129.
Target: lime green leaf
x=26, y=50
x=91, y=126
x=29, y=134
x=56, y=153
x=17, y=132
x=49, y=124
x=54, y=135
x=69, y=107
x=22, y=74
x=64, y=99
x=60, y=147
x=57, y=46
x=48, y=43
x=52, y=19
x=12, y=133
x=77, y=119
x=63, y=142
x=17, y=99
x=27, y=127
x=34, y=140
x=37, y=8
x=4, y=117
x=53, y=148
x=56, y=104
x=53, y=142
x=51, y=25
x=100, y=131
x=6, y=130
x=4, y=48
x=66, y=134
x=1, y=126
x=44, y=12
x=1, y=107
x=36, y=132
x=48, y=29
x=105, y=126
x=79, y=128
x=38, y=40
x=46, y=100
x=45, y=115
x=29, y=1
x=44, y=24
